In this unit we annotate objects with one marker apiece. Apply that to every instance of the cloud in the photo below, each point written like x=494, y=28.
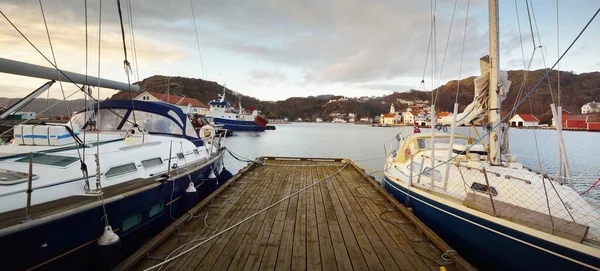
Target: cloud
x=385, y=87
x=356, y=43
x=265, y=75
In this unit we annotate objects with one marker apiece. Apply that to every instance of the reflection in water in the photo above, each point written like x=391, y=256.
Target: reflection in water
x=366, y=146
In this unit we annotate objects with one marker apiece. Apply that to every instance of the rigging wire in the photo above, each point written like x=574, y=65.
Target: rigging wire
x=136, y=67
x=54, y=66
x=197, y=39
x=446, y=49
x=126, y=64
x=542, y=51
x=532, y=89
x=60, y=82
x=462, y=51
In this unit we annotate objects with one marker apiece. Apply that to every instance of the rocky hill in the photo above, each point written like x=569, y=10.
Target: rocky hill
x=577, y=89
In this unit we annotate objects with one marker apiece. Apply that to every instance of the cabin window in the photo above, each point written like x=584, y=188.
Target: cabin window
x=50, y=160
x=180, y=156
x=153, y=123
x=120, y=170
x=150, y=163
x=132, y=221
x=156, y=209
x=109, y=119
x=196, y=151
x=479, y=187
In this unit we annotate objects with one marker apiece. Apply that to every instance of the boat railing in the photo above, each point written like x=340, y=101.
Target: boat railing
x=535, y=199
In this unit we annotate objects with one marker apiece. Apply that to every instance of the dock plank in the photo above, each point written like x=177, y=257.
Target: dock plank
x=259, y=247
x=313, y=251
x=341, y=223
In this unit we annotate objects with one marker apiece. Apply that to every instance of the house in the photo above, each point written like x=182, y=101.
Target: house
x=364, y=119
x=187, y=104
x=338, y=120
x=575, y=121
x=524, y=120
x=593, y=123
x=351, y=119
x=408, y=117
x=299, y=119
x=390, y=119
x=319, y=120
x=442, y=115
x=590, y=108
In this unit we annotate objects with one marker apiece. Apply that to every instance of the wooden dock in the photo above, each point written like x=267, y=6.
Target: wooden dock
x=298, y=213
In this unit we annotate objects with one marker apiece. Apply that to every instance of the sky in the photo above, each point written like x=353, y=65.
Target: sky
x=276, y=49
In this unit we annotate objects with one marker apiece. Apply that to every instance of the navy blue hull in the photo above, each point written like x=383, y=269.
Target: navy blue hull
x=488, y=245
x=69, y=243
x=239, y=125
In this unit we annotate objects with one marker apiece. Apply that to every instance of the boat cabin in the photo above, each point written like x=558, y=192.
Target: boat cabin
x=122, y=115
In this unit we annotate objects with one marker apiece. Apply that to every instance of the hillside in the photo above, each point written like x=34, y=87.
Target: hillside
x=577, y=89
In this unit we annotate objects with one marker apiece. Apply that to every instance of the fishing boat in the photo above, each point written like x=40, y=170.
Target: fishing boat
x=222, y=113
x=493, y=210
x=85, y=194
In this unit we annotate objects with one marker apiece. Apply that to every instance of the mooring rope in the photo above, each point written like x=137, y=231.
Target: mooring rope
x=159, y=265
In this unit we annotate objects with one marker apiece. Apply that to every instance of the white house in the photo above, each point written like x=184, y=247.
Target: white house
x=319, y=120
x=408, y=116
x=390, y=118
x=187, y=104
x=524, y=120
x=591, y=107
x=338, y=120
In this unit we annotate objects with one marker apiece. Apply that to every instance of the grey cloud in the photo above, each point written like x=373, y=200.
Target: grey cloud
x=385, y=87
x=347, y=41
x=264, y=75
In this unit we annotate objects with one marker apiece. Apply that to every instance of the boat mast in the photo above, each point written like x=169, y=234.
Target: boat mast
x=494, y=109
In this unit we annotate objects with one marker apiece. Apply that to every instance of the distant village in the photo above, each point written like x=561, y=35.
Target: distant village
x=416, y=111
x=419, y=112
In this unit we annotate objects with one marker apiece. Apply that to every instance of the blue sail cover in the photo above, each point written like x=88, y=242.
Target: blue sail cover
x=169, y=111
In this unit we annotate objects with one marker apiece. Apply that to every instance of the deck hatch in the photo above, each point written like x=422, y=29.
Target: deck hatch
x=50, y=160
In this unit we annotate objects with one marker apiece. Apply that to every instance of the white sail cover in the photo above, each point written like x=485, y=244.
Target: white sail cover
x=477, y=109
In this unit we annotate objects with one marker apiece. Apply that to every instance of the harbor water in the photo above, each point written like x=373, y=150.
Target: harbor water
x=367, y=145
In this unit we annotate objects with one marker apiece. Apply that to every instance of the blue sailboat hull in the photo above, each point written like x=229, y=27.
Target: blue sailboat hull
x=238, y=125
x=69, y=243
x=488, y=245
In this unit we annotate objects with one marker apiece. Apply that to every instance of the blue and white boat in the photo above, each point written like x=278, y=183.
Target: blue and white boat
x=495, y=212
x=222, y=113
x=85, y=194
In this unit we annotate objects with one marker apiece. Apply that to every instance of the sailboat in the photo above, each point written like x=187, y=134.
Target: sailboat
x=494, y=211
x=85, y=194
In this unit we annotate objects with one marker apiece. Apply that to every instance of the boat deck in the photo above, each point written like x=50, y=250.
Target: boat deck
x=297, y=214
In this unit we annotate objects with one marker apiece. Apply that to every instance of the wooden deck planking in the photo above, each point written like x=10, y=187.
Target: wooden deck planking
x=335, y=225
x=377, y=252
x=216, y=211
x=256, y=229
x=400, y=248
x=313, y=251
x=258, y=248
x=205, y=255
